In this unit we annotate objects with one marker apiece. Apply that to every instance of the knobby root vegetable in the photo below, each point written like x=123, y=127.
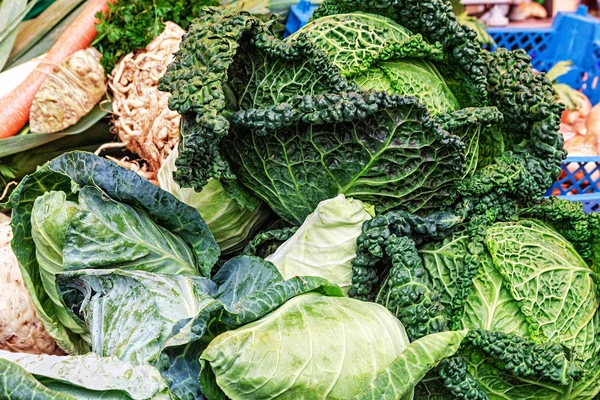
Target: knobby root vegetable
x=20, y=329
x=69, y=93
x=143, y=120
x=15, y=108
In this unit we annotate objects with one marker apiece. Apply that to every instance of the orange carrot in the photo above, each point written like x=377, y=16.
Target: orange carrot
x=14, y=108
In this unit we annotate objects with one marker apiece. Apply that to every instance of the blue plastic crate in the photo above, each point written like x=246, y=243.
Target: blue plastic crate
x=573, y=36
x=579, y=181
x=533, y=40
x=299, y=16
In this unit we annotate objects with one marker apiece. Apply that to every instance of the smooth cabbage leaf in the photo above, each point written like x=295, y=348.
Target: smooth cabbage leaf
x=325, y=244
x=399, y=378
x=106, y=216
x=231, y=224
x=28, y=376
x=309, y=347
x=124, y=237
x=50, y=218
x=249, y=289
x=18, y=384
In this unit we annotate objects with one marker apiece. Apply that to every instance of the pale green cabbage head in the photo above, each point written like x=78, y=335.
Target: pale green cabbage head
x=325, y=244
x=231, y=224
x=309, y=347
x=322, y=347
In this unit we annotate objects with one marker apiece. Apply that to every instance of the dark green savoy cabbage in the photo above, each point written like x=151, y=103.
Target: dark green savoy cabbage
x=392, y=103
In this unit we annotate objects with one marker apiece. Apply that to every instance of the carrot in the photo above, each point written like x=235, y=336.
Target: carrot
x=14, y=108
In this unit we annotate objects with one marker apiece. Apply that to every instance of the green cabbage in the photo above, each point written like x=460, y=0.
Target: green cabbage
x=231, y=224
x=325, y=244
x=174, y=317
x=373, y=64
x=312, y=348
x=393, y=103
x=83, y=212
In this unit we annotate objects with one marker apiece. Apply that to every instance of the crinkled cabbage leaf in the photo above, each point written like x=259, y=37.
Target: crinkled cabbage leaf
x=392, y=103
x=522, y=278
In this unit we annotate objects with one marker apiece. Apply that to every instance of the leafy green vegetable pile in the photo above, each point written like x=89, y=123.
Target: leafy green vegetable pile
x=408, y=252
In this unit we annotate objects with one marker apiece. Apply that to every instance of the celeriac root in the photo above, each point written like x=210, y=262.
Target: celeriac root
x=142, y=120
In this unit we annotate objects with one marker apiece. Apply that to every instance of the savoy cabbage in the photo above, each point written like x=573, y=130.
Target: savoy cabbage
x=391, y=103
x=529, y=286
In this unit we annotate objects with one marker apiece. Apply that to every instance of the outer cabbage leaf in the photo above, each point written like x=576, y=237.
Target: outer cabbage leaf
x=108, y=187
x=472, y=290
x=50, y=219
x=28, y=376
x=501, y=385
x=399, y=378
x=131, y=314
x=398, y=158
x=267, y=242
x=18, y=384
x=307, y=348
x=388, y=268
x=231, y=224
x=519, y=157
x=123, y=237
x=325, y=244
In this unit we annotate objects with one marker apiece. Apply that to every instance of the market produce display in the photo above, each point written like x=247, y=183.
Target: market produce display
x=353, y=212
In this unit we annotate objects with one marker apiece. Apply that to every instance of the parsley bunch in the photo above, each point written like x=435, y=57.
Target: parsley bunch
x=132, y=24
